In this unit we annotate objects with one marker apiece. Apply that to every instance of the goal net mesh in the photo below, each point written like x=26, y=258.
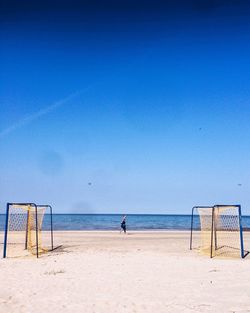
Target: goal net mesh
x=22, y=230
x=220, y=231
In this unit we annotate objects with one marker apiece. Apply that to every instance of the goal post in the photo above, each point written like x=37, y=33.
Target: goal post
x=220, y=231
x=24, y=229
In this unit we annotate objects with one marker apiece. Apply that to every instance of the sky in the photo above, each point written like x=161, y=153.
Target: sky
x=125, y=106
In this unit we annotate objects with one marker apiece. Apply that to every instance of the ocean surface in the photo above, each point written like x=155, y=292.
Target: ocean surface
x=112, y=222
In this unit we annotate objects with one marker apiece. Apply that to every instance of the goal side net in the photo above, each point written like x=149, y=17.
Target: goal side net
x=24, y=230
x=220, y=231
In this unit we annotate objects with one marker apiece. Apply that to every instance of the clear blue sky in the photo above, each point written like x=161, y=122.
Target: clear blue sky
x=155, y=105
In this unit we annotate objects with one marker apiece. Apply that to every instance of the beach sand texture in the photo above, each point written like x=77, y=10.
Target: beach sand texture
x=105, y=272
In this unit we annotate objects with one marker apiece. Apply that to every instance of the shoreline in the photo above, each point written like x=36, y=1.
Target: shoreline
x=128, y=231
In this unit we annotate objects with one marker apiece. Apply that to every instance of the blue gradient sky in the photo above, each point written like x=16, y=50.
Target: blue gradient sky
x=136, y=107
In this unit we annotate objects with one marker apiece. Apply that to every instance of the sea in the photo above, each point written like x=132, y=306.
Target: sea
x=136, y=222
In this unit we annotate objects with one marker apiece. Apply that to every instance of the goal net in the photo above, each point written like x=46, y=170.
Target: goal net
x=220, y=232
x=24, y=230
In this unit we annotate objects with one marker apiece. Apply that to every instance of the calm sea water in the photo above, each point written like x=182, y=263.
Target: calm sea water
x=112, y=222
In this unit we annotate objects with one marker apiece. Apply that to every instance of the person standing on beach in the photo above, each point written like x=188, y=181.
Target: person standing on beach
x=123, y=224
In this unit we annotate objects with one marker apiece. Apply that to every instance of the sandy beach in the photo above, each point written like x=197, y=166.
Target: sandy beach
x=105, y=272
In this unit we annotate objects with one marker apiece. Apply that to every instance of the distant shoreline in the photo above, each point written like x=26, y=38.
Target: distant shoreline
x=111, y=222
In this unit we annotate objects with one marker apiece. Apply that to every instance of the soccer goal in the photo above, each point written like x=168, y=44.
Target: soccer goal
x=217, y=231
x=24, y=230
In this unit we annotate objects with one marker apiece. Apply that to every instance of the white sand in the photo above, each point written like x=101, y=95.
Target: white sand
x=105, y=272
